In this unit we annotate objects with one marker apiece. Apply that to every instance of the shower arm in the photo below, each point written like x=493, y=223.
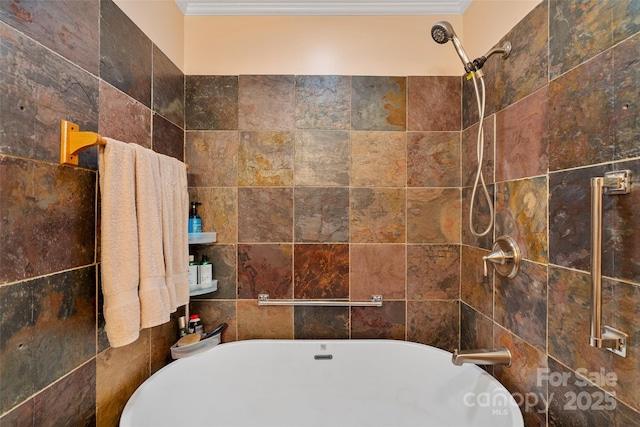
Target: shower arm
x=505, y=51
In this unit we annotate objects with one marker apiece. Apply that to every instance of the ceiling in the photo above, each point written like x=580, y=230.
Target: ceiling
x=322, y=7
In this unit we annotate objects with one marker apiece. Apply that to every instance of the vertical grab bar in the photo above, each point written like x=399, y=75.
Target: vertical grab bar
x=612, y=339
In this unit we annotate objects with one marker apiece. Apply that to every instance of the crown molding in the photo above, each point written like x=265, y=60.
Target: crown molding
x=322, y=7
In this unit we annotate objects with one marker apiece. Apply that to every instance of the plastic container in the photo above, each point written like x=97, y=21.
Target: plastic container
x=199, y=347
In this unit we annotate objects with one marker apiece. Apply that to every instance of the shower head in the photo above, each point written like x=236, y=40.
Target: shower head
x=442, y=32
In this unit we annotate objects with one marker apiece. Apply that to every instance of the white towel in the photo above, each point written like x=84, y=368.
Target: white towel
x=154, y=298
x=119, y=242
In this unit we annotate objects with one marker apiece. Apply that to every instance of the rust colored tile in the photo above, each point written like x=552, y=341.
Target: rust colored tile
x=476, y=289
x=427, y=110
x=119, y=372
x=433, y=215
x=266, y=102
x=223, y=260
x=378, y=159
x=377, y=270
x=168, y=139
x=271, y=322
x=469, y=153
x=34, y=196
x=523, y=377
x=322, y=158
x=321, y=214
x=321, y=271
x=522, y=137
x=321, y=322
x=433, y=323
x=219, y=211
x=267, y=215
x=433, y=159
x=521, y=304
x=581, y=108
x=125, y=53
x=433, y=272
x=66, y=27
x=265, y=159
x=378, y=103
x=211, y=102
x=386, y=322
x=521, y=212
x=212, y=157
x=214, y=313
x=323, y=102
x=476, y=330
x=377, y=215
x=626, y=82
x=168, y=88
x=123, y=118
x=265, y=269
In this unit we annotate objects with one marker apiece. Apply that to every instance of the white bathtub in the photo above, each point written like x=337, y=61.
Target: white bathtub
x=321, y=383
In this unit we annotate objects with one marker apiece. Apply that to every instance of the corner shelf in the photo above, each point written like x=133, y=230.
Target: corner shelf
x=202, y=238
x=200, y=290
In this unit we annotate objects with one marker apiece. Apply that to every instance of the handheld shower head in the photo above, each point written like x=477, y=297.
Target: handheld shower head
x=442, y=32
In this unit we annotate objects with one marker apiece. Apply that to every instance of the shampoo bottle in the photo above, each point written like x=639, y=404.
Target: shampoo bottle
x=195, y=222
x=193, y=273
x=206, y=272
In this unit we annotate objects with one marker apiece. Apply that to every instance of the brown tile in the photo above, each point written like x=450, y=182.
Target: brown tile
x=476, y=330
x=265, y=269
x=267, y=215
x=212, y=157
x=321, y=271
x=266, y=102
x=386, y=322
x=70, y=401
x=66, y=27
x=34, y=197
x=481, y=217
x=168, y=88
x=521, y=304
x=581, y=106
x=377, y=215
x=211, y=102
x=31, y=105
x=378, y=103
x=476, y=289
x=125, y=54
x=321, y=322
x=433, y=323
x=378, y=159
x=223, y=260
x=323, y=102
x=20, y=415
x=119, y=372
x=270, y=322
x=521, y=212
x=433, y=159
x=214, y=313
x=219, y=211
x=265, y=159
x=469, y=153
x=522, y=137
x=168, y=139
x=123, y=118
x=433, y=272
x=322, y=158
x=321, y=214
x=626, y=82
x=523, y=378
x=377, y=270
x=433, y=215
x=426, y=109
x=161, y=338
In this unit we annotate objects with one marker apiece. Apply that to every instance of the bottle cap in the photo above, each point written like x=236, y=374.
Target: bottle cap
x=193, y=316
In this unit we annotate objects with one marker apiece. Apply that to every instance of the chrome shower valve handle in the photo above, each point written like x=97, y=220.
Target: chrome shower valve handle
x=505, y=257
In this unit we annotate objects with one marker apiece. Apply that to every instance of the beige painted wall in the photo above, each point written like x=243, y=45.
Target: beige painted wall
x=348, y=45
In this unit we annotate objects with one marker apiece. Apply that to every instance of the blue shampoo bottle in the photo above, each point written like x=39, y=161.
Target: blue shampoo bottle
x=195, y=222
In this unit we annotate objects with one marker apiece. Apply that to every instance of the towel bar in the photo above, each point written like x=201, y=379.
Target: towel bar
x=376, y=301
x=72, y=142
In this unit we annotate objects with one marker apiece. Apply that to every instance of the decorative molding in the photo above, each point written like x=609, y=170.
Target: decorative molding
x=322, y=7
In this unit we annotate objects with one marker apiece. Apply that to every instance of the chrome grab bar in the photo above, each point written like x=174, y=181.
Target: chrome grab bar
x=376, y=301
x=613, y=340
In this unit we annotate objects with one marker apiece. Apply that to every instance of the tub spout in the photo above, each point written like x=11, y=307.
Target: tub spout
x=497, y=356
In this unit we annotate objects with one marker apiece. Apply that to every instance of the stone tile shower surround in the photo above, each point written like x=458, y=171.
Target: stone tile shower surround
x=562, y=109
x=317, y=194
